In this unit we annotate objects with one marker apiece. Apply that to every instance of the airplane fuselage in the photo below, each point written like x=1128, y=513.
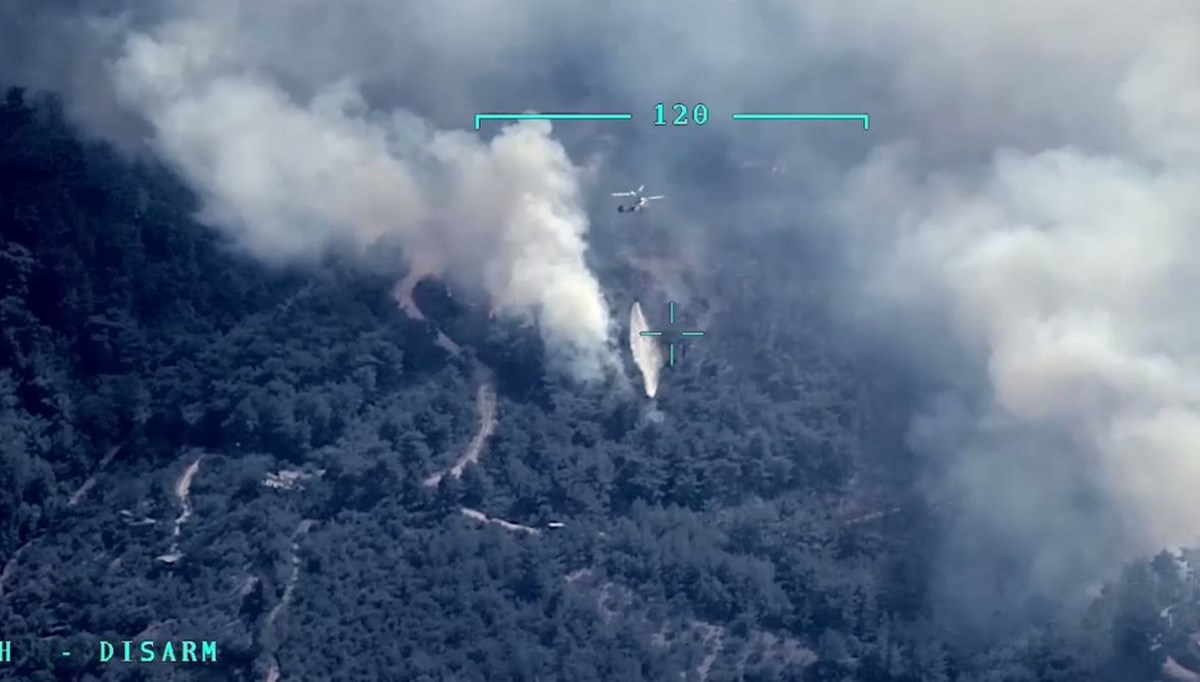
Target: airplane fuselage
x=634, y=207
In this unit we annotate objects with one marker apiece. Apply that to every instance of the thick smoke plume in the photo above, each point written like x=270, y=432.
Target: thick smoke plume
x=1063, y=265
x=295, y=177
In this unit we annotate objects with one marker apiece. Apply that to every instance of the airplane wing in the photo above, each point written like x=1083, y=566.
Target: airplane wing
x=657, y=196
x=624, y=194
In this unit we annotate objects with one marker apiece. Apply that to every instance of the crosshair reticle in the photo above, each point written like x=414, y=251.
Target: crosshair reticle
x=686, y=335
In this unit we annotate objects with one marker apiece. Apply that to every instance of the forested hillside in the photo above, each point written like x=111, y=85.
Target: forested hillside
x=193, y=446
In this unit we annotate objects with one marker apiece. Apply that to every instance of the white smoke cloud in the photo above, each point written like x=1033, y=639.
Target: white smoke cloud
x=1066, y=264
x=292, y=180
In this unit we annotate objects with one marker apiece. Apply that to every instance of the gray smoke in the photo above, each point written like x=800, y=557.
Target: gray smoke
x=1061, y=264
x=296, y=176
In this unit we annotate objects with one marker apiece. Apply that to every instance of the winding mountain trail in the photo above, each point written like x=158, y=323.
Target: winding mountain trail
x=10, y=566
x=485, y=395
x=289, y=590
x=83, y=490
x=485, y=405
x=183, y=488
x=403, y=293
x=479, y=516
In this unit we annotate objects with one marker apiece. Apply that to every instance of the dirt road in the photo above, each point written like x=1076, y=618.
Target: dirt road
x=485, y=405
x=485, y=395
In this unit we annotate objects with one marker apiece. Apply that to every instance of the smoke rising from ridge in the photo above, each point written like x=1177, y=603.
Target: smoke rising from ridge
x=293, y=180
x=1027, y=210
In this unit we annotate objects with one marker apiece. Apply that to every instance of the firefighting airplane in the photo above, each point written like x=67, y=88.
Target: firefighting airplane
x=639, y=204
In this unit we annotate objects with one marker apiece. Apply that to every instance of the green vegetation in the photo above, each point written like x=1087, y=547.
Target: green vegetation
x=770, y=539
